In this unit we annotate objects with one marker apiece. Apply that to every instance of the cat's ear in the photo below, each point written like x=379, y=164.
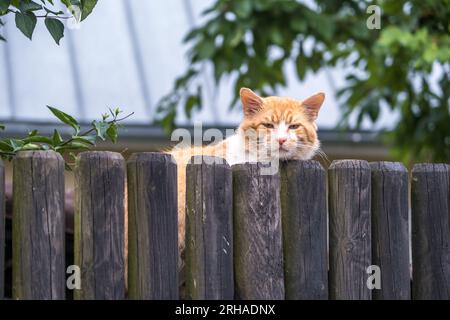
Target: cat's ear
x=251, y=102
x=313, y=104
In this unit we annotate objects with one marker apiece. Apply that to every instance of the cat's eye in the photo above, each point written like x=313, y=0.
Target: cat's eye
x=294, y=126
x=268, y=125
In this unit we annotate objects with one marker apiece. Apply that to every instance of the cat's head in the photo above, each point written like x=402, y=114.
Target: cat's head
x=279, y=127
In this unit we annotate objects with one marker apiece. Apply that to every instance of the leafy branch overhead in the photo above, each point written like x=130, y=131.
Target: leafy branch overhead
x=251, y=43
x=27, y=13
x=104, y=129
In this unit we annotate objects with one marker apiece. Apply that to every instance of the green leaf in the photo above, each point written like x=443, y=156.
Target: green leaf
x=4, y=5
x=88, y=140
x=39, y=139
x=26, y=22
x=206, y=49
x=26, y=6
x=69, y=3
x=66, y=118
x=5, y=146
x=16, y=144
x=237, y=37
x=112, y=132
x=74, y=7
x=191, y=102
x=86, y=8
x=33, y=133
x=56, y=28
x=298, y=25
x=30, y=146
x=276, y=36
x=301, y=64
x=184, y=79
x=57, y=139
x=72, y=156
x=101, y=128
x=243, y=8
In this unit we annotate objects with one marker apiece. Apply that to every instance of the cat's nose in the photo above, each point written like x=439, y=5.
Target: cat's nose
x=281, y=140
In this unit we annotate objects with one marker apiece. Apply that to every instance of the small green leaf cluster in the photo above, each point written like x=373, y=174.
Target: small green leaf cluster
x=27, y=13
x=104, y=129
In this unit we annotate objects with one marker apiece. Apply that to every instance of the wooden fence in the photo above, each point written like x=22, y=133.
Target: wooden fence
x=301, y=233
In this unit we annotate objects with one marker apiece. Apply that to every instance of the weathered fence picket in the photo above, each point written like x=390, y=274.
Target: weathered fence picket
x=2, y=229
x=350, y=229
x=390, y=230
x=38, y=226
x=304, y=217
x=430, y=199
x=258, y=254
x=209, y=233
x=99, y=225
x=153, y=236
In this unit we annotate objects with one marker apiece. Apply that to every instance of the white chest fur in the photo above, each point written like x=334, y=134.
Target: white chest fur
x=236, y=152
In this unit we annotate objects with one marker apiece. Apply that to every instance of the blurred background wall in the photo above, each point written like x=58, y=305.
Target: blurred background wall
x=128, y=54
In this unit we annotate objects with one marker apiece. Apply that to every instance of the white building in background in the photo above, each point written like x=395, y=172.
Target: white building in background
x=127, y=54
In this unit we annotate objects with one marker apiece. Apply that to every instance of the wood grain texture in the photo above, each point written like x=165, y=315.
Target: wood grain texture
x=430, y=231
x=38, y=226
x=153, y=231
x=99, y=225
x=209, y=233
x=350, y=229
x=390, y=230
x=2, y=229
x=304, y=217
x=258, y=252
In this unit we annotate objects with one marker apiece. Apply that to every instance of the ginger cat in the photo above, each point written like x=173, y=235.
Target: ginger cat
x=285, y=129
